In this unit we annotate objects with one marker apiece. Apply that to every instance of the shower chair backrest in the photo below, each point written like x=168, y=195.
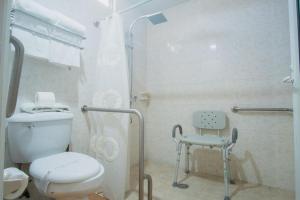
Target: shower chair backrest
x=212, y=120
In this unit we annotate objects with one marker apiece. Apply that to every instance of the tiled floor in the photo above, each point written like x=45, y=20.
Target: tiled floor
x=205, y=188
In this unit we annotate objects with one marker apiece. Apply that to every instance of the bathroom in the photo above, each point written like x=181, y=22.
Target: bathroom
x=134, y=70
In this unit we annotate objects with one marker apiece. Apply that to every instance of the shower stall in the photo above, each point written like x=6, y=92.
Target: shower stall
x=239, y=58
x=206, y=57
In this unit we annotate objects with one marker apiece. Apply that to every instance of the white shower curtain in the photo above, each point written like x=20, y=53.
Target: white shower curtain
x=112, y=91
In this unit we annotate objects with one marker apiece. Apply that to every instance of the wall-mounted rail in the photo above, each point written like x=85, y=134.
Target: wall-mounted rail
x=142, y=175
x=15, y=76
x=15, y=12
x=236, y=109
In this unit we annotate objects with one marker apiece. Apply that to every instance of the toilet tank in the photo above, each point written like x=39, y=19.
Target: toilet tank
x=32, y=136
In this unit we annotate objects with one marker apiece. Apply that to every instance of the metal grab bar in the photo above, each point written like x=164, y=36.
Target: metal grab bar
x=142, y=175
x=236, y=109
x=150, y=184
x=15, y=76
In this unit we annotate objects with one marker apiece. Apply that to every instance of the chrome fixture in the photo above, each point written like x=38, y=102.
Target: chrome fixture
x=236, y=109
x=142, y=175
x=15, y=76
x=155, y=19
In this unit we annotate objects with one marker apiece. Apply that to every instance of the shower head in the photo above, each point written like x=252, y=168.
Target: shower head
x=157, y=18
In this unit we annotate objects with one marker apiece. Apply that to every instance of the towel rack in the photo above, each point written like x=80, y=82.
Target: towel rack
x=236, y=109
x=14, y=24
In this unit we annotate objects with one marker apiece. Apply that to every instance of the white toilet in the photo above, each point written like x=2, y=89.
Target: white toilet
x=42, y=139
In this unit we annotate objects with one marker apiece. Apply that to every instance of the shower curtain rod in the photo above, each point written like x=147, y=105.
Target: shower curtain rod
x=125, y=10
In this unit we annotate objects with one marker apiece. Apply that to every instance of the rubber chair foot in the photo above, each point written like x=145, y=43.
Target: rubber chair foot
x=180, y=185
x=232, y=182
x=226, y=198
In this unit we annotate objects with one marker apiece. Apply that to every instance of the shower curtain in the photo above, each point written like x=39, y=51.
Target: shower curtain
x=110, y=140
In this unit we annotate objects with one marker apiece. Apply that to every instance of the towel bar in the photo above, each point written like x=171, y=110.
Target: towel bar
x=14, y=24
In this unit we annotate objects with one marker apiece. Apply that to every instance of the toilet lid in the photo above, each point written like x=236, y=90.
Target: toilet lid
x=67, y=167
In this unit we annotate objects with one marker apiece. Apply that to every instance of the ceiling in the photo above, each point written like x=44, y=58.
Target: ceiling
x=152, y=6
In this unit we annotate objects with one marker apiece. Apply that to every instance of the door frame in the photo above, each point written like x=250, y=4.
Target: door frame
x=4, y=63
x=294, y=21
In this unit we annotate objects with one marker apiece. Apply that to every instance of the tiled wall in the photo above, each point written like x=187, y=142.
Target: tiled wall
x=212, y=55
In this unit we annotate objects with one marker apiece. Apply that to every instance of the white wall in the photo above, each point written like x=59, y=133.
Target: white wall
x=212, y=55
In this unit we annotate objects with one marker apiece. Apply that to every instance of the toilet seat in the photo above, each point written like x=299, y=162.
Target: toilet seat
x=67, y=167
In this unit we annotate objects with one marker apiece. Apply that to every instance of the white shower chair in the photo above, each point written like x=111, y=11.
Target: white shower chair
x=206, y=120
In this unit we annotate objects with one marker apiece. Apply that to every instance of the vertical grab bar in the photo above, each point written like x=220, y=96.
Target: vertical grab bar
x=15, y=76
x=149, y=184
x=142, y=175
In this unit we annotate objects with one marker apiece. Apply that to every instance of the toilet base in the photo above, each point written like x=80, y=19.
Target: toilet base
x=71, y=191
x=73, y=198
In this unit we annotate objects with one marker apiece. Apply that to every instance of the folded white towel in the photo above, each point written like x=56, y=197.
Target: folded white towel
x=68, y=23
x=51, y=16
x=64, y=54
x=39, y=46
x=33, y=108
x=34, y=45
x=35, y=9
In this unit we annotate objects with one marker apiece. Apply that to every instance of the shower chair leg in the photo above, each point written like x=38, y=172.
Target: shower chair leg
x=175, y=183
x=187, y=159
x=178, y=148
x=226, y=174
x=230, y=179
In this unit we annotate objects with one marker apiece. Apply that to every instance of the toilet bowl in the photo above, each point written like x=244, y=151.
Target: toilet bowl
x=41, y=139
x=67, y=175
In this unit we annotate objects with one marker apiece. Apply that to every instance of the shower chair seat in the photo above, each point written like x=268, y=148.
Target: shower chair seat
x=204, y=140
x=206, y=120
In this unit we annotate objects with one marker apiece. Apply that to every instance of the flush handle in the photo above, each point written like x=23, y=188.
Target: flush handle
x=30, y=125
